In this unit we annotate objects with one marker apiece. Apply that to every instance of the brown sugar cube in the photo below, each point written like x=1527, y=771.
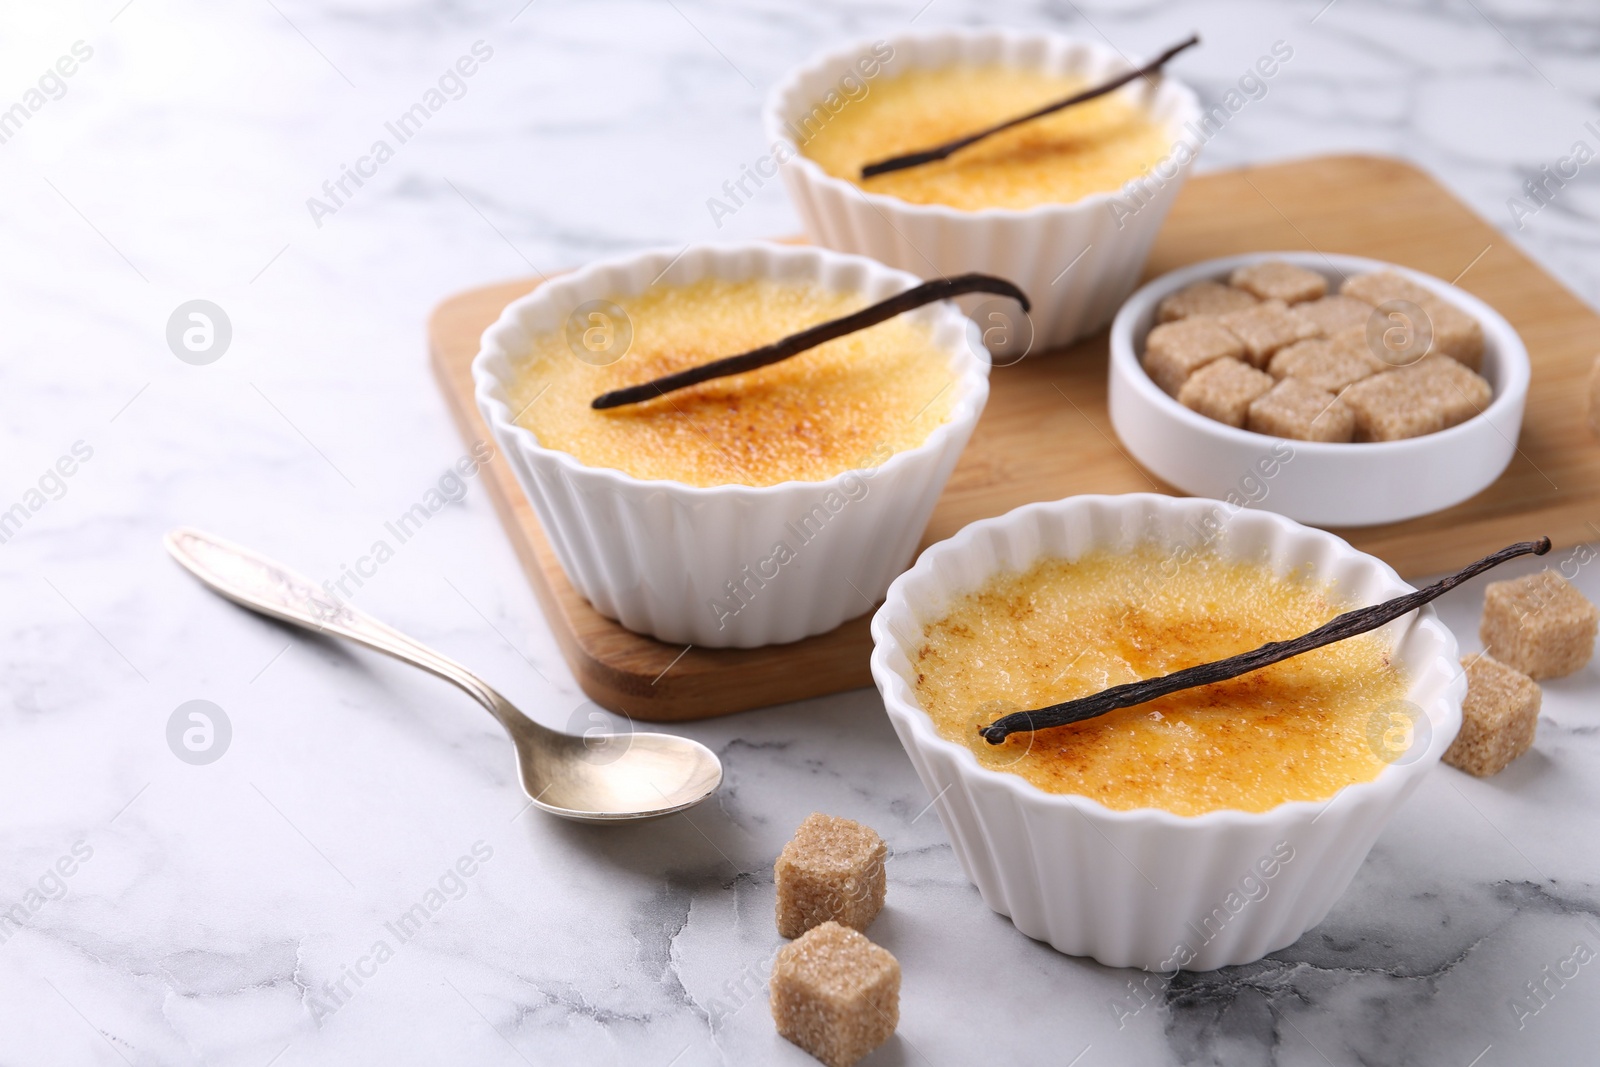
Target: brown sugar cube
x=1267, y=327
x=835, y=994
x=1335, y=313
x=1455, y=334
x=1539, y=624
x=1383, y=286
x=1203, y=298
x=1301, y=411
x=832, y=869
x=1498, y=717
x=1323, y=363
x=1394, y=405
x=1175, y=350
x=1276, y=280
x=1594, y=396
x=1459, y=393
x=1354, y=339
x=1223, y=389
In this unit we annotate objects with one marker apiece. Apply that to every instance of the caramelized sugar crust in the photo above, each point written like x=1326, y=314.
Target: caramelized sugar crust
x=1094, y=147
x=847, y=404
x=1298, y=730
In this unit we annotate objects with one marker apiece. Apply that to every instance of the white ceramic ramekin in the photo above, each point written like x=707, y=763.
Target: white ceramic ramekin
x=1356, y=484
x=1148, y=888
x=1076, y=261
x=660, y=556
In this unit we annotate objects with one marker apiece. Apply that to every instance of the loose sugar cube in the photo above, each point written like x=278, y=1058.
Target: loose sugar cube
x=1455, y=334
x=831, y=870
x=835, y=994
x=1175, y=350
x=1460, y=393
x=1383, y=286
x=1325, y=364
x=1539, y=624
x=1335, y=313
x=1276, y=280
x=1301, y=411
x=1223, y=389
x=1394, y=405
x=1267, y=327
x=1594, y=396
x=1498, y=717
x=1203, y=298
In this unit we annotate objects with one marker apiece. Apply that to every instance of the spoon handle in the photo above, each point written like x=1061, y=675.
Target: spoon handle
x=265, y=586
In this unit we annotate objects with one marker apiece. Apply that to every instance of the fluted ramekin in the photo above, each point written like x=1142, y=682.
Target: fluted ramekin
x=1150, y=888
x=1076, y=261
x=660, y=556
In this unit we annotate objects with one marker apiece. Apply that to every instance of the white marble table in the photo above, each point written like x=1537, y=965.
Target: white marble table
x=212, y=910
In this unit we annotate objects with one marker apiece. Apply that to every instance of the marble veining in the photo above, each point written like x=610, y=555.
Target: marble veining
x=233, y=912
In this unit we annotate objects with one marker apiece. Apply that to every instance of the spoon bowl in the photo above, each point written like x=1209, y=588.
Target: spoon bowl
x=614, y=777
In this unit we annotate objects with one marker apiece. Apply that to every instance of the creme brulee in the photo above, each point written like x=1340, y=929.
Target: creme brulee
x=1300, y=729
x=1094, y=147
x=846, y=404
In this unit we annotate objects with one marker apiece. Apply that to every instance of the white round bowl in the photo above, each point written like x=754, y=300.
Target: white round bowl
x=1149, y=888
x=1076, y=261
x=1328, y=484
x=660, y=556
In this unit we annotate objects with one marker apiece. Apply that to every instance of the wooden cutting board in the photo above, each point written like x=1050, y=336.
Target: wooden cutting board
x=1045, y=433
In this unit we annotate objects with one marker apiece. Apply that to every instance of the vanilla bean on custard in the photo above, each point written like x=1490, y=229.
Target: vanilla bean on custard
x=1349, y=624
x=949, y=148
x=812, y=336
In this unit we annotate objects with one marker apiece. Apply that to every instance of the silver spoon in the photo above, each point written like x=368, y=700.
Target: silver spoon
x=614, y=778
